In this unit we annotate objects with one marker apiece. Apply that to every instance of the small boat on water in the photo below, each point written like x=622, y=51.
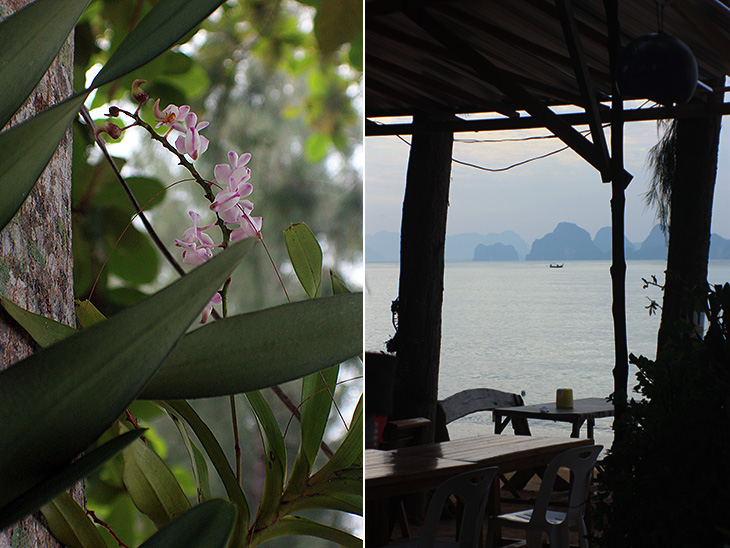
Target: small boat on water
x=556, y=265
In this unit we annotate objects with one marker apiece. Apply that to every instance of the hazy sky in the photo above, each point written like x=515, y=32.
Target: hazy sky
x=530, y=199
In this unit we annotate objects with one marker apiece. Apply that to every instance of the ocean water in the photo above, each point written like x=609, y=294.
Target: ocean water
x=526, y=328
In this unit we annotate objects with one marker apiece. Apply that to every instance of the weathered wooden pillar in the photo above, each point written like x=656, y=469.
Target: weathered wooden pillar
x=619, y=181
x=690, y=216
x=35, y=252
x=420, y=293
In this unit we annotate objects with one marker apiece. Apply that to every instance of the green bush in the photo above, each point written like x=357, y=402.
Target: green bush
x=666, y=482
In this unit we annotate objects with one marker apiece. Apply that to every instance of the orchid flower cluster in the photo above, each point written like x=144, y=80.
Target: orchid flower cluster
x=230, y=203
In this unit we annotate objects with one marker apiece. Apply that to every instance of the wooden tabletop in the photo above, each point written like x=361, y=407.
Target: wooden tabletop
x=424, y=467
x=582, y=409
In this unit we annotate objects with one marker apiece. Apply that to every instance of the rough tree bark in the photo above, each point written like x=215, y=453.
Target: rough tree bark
x=690, y=217
x=420, y=294
x=35, y=252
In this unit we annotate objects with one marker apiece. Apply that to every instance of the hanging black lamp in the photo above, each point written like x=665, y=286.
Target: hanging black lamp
x=659, y=67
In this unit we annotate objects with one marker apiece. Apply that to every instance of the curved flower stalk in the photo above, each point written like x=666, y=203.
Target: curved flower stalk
x=231, y=204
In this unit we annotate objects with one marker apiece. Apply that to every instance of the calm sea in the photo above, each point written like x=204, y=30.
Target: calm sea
x=526, y=328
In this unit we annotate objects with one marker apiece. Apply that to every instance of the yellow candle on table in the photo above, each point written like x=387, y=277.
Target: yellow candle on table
x=564, y=398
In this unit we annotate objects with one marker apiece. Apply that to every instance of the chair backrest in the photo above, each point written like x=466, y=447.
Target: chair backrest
x=580, y=461
x=403, y=433
x=473, y=488
x=473, y=400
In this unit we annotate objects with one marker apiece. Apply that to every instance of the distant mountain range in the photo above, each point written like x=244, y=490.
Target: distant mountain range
x=568, y=242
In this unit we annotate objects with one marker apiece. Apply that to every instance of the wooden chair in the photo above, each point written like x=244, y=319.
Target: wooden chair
x=397, y=434
x=474, y=400
x=403, y=433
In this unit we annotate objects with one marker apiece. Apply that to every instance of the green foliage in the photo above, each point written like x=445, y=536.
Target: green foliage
x=70, y=524
x=306, y=257
x=88, y=378
x=666, y=483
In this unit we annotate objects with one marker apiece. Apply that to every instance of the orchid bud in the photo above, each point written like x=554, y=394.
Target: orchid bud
x=113, y=112
x=113, y=130
x=138, y=93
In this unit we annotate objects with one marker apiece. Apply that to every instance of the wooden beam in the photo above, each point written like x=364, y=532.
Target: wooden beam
x=582, y=146
x=572, y=38
x=530, y=122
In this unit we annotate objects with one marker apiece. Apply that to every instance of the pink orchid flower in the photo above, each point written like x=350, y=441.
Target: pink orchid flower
x=233, y=178
x=196, y=243
x=208, y=310
x=192, y=143
x=249, y=228
x=171, y=116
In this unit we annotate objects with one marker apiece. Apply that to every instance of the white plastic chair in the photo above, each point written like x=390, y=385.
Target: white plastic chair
x=473, y=488
x=580, y=461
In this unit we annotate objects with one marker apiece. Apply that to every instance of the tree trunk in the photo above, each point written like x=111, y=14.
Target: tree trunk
x=35, y=252
x=690, y=218
x=420, y=294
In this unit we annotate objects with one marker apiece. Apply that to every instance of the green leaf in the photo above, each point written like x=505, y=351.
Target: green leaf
x=342, y=492
x=271, y=346
x=349, y=451
x=216, y=455
x=31, y=39
x=305, y=256
x=337, y=22
x=89, y=379
x=307, y=336
x=164, y=25
x=69, y=523
x=44, y=331
x=25, y=150
x=151, y=484
x=339, y=287
x=274, y=459
x=87, y=314
x=297, y=525
x=197, y=460
x=208, y=525
x=317, y=396
x=33, y=499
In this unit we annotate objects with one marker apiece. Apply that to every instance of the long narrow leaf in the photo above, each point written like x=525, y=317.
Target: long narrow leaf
x=197, y=460
x=270, y=347
x=216, y=455
x=164, y=25
x=69, y=523
x=208, y=525
x=152, y=486
x=44, y=331
x=26, y=149
x=349, y=451
x=88, y=379
x=274, y=458
x=31, y=38
x=33, y=499
x=296, y=525
x=291, y=341
x=317, y=396
x=305, y=256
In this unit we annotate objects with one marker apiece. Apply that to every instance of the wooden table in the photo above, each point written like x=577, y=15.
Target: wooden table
x=425, y=467
x=587, y=409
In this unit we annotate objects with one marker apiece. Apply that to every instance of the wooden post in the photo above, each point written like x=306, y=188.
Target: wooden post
x=35, y=253
x=619, y=182
x=690, y=217
x=423, y=236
